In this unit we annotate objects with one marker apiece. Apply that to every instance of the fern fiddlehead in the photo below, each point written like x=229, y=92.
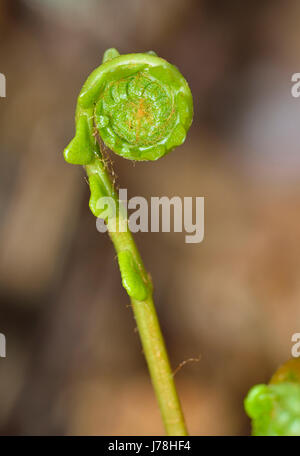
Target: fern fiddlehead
x=141, y=107
x=275, y=408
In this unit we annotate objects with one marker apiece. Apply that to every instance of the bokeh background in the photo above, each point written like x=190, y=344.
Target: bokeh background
x=74, y=363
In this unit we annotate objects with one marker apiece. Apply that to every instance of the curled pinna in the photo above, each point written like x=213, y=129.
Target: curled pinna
x=139, y=104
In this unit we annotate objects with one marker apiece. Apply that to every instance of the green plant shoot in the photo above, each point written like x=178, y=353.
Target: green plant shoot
x=141, y=107
x=275, y=408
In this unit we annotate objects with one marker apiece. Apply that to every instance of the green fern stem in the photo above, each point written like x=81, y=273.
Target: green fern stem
x=138, y=284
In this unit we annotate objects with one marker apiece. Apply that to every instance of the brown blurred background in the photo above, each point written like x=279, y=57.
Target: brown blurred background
x=74, y=363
